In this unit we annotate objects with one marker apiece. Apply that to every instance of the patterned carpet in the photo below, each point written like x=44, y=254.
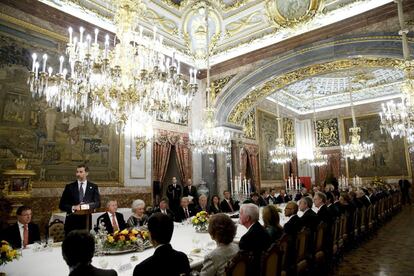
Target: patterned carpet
x=389, y=252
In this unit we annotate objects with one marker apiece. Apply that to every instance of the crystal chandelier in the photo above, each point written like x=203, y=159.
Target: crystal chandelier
x=210, y=139
x=355, y=149
x=319, y=159
x=397, y=119
x=281, y=153
x=128, y=85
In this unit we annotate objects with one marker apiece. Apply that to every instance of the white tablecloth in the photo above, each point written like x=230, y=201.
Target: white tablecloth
x=126, y=212
x=185, y=239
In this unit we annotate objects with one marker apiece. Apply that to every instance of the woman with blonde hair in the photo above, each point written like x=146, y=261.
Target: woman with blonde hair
x=271, y=221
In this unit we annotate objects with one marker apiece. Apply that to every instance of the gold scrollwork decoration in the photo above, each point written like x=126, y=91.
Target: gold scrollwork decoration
x=289, y=132
x=217, y=85
x=241, y=24
x=327, y=133
x=249, y=125
x=260, y=92
x=139, y=146
x=167, y=24
x=287, y=13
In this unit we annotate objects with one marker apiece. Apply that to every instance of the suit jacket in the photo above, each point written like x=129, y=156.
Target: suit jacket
x=174, y=195
x=310, y=220
x=293, y=226
x=214, y=210
x=90, y=270
x=70, y=196
x=108, y=223
x=325, y=216
x=165, y=261
x=215, y=262
x=199, y=209
x=192, y=192
x=225, y=208
x=256, y=241
x=282, y=199
x=12, y=234
x=169, y=212
x=180, y=215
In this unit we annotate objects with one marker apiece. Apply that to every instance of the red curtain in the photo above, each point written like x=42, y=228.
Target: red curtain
x=183, y=155
x=332, y=168
x=160, y=157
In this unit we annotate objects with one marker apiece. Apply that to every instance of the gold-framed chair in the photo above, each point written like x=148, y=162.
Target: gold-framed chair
x=56, y=230
x=271, y=264
x=302, y=250
x=319, y=255
x=238, y=265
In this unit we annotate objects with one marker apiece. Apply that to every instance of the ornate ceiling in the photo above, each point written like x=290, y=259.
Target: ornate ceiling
x=331, y=90
x=236, y=27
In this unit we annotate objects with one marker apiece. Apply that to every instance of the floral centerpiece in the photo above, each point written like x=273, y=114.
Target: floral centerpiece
x=200, y=221
x=378, y=182
x=7, y=253
x=127, y=240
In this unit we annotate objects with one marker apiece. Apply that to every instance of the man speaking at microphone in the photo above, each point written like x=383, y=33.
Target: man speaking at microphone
x=79, y=195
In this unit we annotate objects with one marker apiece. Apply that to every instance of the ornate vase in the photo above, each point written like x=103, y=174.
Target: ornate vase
x=203, y=188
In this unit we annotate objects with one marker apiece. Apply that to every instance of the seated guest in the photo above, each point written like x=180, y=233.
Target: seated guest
x=184, y=211
x=138, y=218
x=215, y=205
x=303, y=193
x=272, y=197
x=165, y=260
x=319, y=199
x=271, y=221
x=77, y=250
x=111, y=219
x=329, y=188
x=293, y=225
x=222, y=230
x=24, y=231
x=227, y=205
x=256, y=240
x=163, y=208
x=255, y=199
x=264, y=197
x=202, y=204
x=332, y=208
x=282, y=197
x=309, y=218
x=360, y=194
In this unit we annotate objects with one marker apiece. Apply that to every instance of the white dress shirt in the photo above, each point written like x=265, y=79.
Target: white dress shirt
x=21, y=231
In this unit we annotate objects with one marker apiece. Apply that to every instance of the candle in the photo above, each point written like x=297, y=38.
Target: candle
x=96, y=35
x=191, y=75
x=64, y=73
x=50, y=70
x=61, y=59
x=81, y=30
x=36, y=67
x=44, y=62
x=34, y=57
x=195, y=75
x=173, y=58
x=88, y=43
x=178, y=68
x=70, y=35
x=106, y=46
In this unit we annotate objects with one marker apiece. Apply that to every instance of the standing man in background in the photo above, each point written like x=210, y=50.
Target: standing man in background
x=191, y=191
x=79, y=195
x=174, y=193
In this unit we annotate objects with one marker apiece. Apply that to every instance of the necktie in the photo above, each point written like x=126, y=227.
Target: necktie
x=25, y=235
x=173, y=192
x=186, y=213
x=114, y=225
x=231, y=206
x=81, y=193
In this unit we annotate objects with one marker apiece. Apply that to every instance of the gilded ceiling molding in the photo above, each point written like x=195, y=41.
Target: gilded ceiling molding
x=217, y=85
x=259, y=93
x=327, y=133
x=288, y=13
x=220, y=3
x=168, y=25
x=241, y=24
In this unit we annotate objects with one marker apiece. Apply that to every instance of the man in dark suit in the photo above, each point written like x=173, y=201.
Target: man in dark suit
x=163, y=208
x=184, y=211
x=303, y=193
x=293, y=225
x=23, y=232
x=405, y=188
x=202, y=204
x=282, y=197
x=332, y=208
x=78, y=195
x=309, y=219
x=323, y=214
x=77, y=251
x=111, y=219
x=165, y=260
x=256, y=240
x=228, y=205
x=191, y=191
x=174, y=193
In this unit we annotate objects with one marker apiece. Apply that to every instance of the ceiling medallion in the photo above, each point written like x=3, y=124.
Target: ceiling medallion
x=287, y=13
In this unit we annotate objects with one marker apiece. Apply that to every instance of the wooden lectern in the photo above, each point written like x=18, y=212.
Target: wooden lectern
x=87, y=214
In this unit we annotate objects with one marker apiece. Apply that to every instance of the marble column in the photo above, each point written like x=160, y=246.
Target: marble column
x=222, y=174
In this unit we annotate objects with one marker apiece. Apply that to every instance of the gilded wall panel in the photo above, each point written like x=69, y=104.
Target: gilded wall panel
x=267, y=137
x=289, y=132
x=390, y=156
x=327, y=132
x=249, y=125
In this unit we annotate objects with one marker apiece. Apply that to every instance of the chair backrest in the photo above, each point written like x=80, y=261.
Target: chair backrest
x=320, y=236
x=302, y=242
x=272, y=261
x=238, y=265
x=363, y=217
x=56, y=230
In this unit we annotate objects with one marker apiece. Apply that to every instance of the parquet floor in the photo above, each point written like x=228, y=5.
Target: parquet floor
x=389, y=252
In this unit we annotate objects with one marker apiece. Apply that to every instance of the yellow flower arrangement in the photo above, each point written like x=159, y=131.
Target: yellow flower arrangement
x=200, y=221
x=7, y=253
x=126, y=239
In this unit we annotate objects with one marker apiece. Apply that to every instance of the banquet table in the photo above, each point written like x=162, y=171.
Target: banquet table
x=49, y=261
